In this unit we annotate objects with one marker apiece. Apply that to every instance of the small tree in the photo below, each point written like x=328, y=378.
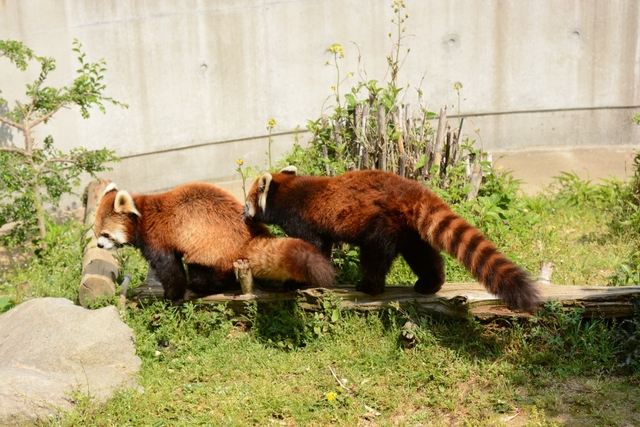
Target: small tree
x=33, y=173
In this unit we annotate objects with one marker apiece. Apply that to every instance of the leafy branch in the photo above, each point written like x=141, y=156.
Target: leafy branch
x=35, y=172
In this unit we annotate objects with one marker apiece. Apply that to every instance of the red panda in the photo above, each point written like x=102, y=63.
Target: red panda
x=202, y=225
x=386, y=215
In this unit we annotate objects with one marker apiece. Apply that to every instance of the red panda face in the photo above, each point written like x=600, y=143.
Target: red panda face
x=257, y=198
x=113, y=220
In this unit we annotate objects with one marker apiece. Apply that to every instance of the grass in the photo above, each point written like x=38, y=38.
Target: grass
x=206, y=366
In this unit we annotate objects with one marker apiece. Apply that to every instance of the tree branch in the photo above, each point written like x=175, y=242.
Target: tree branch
x=61, y=160
x=46, y=116
x=15, y=150
x=11, y=123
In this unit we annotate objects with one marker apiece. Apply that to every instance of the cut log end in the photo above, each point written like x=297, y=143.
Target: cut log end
x=94, y=287
x=243, y=275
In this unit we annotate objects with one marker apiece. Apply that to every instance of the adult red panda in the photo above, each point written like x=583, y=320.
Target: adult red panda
x=386, y=215
x=202, y=224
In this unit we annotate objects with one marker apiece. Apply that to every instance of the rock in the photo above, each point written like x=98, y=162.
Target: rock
x=50, y=348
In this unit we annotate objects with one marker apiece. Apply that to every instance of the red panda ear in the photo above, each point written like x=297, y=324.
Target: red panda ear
x=263, y=188
x=290, y=170
x=111, y=187
x=123, y=203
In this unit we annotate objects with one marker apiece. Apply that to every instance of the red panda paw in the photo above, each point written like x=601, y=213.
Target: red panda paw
x=369, y=287
x=427, y=286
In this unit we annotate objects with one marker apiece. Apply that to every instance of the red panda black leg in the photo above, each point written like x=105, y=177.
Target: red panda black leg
x=207, y=281
x=426, y=262
x=375, y=263
x=171, y=274
x=324, y=246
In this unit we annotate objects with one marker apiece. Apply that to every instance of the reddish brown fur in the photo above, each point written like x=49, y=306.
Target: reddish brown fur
x=202, y=224
x=387, y=215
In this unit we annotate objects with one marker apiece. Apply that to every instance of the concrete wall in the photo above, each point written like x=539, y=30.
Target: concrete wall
x=203, y=77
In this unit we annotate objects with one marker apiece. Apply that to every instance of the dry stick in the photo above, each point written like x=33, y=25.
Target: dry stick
x=122, y=300
x=338, y=380
x=459, y=131
x=402, y=165
x=442, y=130
x=546, y=269
x=409, y=139
x=363, y=153
x=357, y=113
x=454, y=151
x=447, y=155
x=382, y=138
x=398, y=128
x=325, y=155
x=476, y=180
x=337, y=134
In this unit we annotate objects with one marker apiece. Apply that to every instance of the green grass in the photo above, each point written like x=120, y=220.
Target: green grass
x=206, y=366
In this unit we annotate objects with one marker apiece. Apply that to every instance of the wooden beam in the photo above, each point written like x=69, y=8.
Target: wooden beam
x=454, y=299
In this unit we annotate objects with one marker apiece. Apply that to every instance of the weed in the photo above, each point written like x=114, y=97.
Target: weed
x=6, y=303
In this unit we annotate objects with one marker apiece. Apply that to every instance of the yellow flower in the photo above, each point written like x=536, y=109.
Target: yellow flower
x=272, y=123
x=336, y=49
x=239, y=162
x=333, y=88
x=331, y=396
x=457, y=86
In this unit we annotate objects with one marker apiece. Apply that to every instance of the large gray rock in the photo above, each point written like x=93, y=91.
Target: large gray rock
x=50, y=348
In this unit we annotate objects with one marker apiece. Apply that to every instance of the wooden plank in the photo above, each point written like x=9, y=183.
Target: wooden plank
x=454, y=299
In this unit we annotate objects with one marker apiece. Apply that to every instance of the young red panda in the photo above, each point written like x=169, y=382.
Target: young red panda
x=386, y=215
x=202, y=224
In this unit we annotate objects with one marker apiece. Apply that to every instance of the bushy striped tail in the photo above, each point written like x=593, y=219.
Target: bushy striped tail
x=448, y=232
x=286, y=258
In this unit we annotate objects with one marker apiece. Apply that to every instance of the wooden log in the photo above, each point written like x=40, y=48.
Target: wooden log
x=453, y=300
x=99, y=267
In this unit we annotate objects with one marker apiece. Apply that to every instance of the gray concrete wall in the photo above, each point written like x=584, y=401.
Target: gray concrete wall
x=203, y=78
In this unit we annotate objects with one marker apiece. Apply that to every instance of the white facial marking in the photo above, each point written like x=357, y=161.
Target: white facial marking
x=249, y=210
x=263, y=184
x=119, y=237
x=105, y=243
x=112, y=240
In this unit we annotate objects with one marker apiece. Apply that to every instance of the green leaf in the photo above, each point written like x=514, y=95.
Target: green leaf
x=5, y=304
x=351, y=100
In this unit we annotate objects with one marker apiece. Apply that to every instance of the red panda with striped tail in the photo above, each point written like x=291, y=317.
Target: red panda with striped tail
x=386, y=215
x=202, y=225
